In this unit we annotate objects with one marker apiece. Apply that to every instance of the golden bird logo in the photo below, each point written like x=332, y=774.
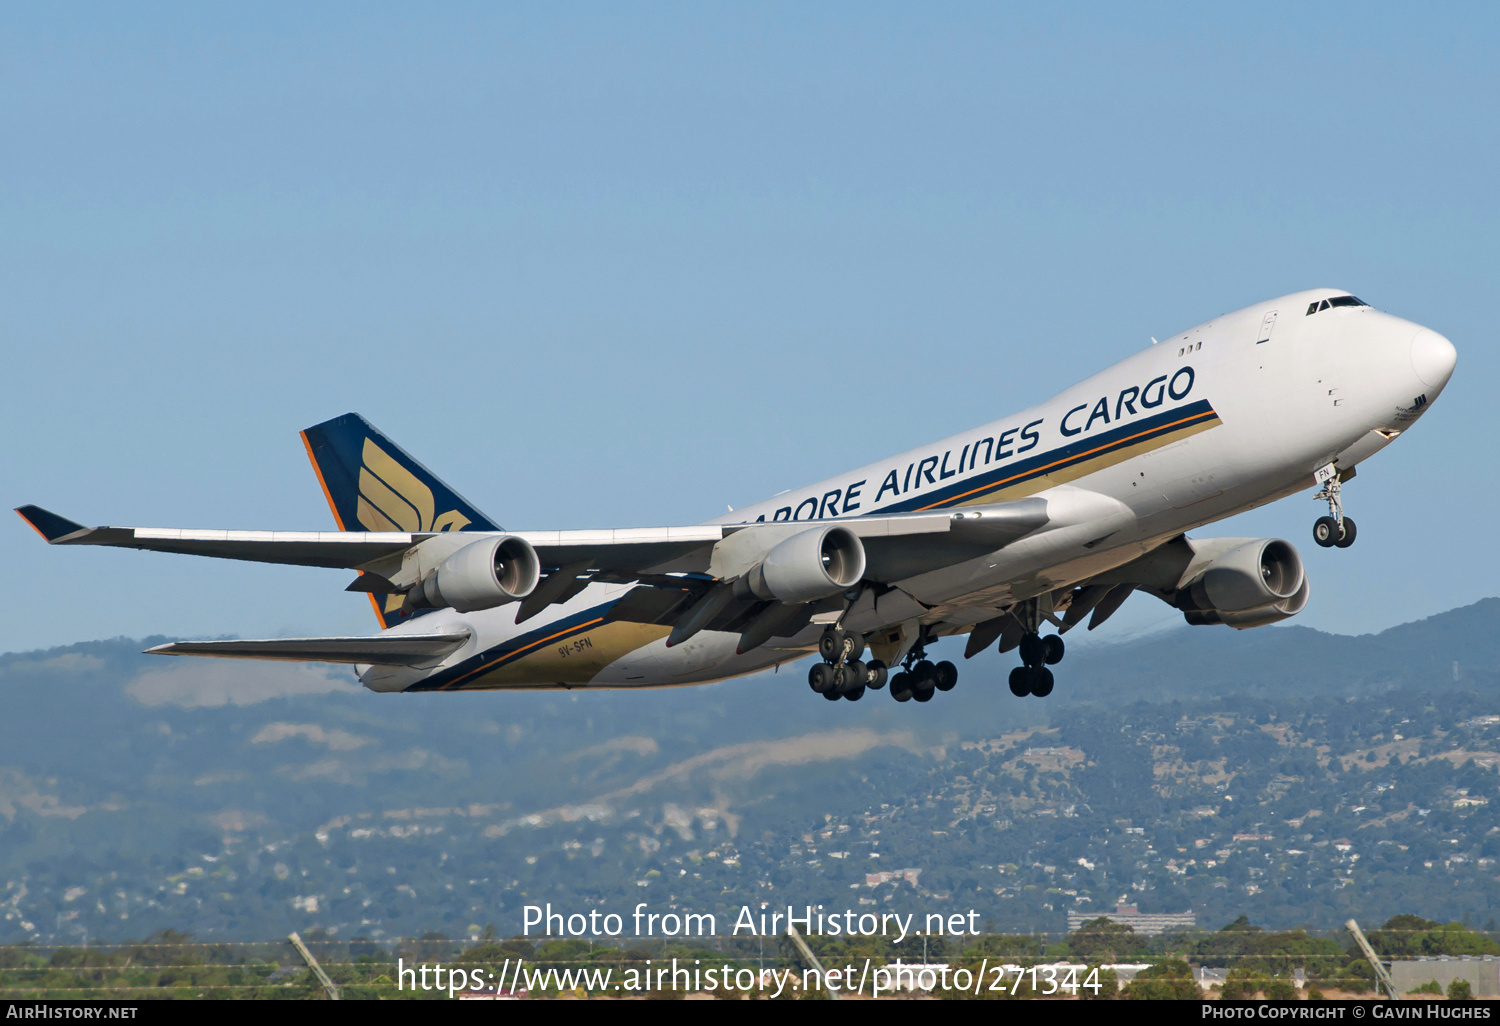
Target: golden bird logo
x=392, y=498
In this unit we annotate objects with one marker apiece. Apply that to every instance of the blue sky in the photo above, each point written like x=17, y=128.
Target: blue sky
x=623, y=265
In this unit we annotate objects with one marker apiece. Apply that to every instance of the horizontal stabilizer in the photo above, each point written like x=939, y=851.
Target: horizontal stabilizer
x=383, y=649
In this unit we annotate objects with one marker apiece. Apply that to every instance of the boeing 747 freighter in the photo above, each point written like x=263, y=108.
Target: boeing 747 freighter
x=1025, y=525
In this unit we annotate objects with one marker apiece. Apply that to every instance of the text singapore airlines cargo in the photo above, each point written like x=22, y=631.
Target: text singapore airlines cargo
x=1042, y=518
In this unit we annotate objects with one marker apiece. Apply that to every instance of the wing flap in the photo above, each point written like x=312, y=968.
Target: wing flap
x=384, y=649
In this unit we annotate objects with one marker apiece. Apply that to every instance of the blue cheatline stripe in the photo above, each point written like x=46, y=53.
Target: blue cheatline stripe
x=1071, y=455
x=512, y=649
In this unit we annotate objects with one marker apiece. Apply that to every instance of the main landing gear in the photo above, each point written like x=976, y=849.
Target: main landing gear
x=1335, y=529
x=841, y=674
x=1037, y=653
x=920, y=678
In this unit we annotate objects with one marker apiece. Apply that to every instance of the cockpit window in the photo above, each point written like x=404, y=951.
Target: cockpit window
x=1326, y=304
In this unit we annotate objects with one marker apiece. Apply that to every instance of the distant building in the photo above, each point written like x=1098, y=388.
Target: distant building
x=1482, y=972
x=887, y=876
x=1149, y=923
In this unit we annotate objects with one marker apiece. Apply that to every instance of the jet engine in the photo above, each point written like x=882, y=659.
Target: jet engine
x=1253, y=584
x=809, y=566
x=483, y=575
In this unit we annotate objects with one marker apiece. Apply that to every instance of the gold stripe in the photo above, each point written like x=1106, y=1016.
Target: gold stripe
x=1160, y=439
x=516, y=653
x=544, y=666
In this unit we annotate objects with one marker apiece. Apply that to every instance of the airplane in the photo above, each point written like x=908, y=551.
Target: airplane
x=1036, y=520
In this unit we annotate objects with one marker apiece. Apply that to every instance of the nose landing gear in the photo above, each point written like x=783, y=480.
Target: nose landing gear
x=1335, y=529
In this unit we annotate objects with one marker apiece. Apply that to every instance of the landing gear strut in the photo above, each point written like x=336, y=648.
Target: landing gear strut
x=1037, y=653
x=920, y=678
x=1335, y=528
x=841, y=674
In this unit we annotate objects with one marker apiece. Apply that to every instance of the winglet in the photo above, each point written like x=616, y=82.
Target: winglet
x=48, y=524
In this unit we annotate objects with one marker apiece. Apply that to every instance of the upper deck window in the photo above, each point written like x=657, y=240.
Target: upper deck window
x=1326, y=304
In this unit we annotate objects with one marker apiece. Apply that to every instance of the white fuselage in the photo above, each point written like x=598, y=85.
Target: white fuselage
x=1227, y=416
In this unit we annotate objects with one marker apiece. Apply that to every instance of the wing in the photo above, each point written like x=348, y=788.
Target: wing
x=896, y=547
x=386, y=649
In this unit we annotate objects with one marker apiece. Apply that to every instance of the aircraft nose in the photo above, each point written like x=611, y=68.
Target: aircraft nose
x=1432, y=357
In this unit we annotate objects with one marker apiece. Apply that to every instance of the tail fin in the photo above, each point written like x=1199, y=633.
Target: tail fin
x=372, y=484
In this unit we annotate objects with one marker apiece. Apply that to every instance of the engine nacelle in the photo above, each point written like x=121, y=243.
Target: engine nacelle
x=1257, y=573
x=809, y=566
x=1255, y=583
x=1268, y=614
x=483, y=575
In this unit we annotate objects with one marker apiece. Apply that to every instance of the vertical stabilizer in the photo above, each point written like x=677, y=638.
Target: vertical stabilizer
x=372, y=484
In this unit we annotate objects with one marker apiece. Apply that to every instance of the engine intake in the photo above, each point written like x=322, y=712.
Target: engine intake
x=483, y=575
x=809, y=566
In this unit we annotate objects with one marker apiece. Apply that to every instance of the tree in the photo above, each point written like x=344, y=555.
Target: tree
x=1168, y=980
x=1104, y=940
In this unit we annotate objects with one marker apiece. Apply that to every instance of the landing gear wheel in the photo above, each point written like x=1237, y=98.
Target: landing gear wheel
x=820, y=678
x=832, y=696
x=1348, y=536
x=1326, y=532
x=875, y=675
x=856, y=693
x=901, y=689
x=855, y=676
x=1041, y=682
x=1033, y=652
x=923, y=694
x=854, y=646
x=843, y=679
x=945, y=676
x=1020, y=684
x=922, y=675
x=1052, y=649
x=831, y=644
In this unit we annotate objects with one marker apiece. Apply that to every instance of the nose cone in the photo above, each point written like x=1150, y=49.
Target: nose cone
x=1432, y=357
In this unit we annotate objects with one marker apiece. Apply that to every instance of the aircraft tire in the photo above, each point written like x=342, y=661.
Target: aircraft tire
x=945, y=675
x=923, y=694
x=843, y=680
x=1032, y=650
x=832, y=696
x=831, y=644
x=1326, y=532
x=1052, y=649
x=875, y=674
x=1347, y=538
x=1020, y=682
x=854, y=646
x=901, y=687
x=820, y=678
x=855, y=693
x=1041, y=682
x=856, y=675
